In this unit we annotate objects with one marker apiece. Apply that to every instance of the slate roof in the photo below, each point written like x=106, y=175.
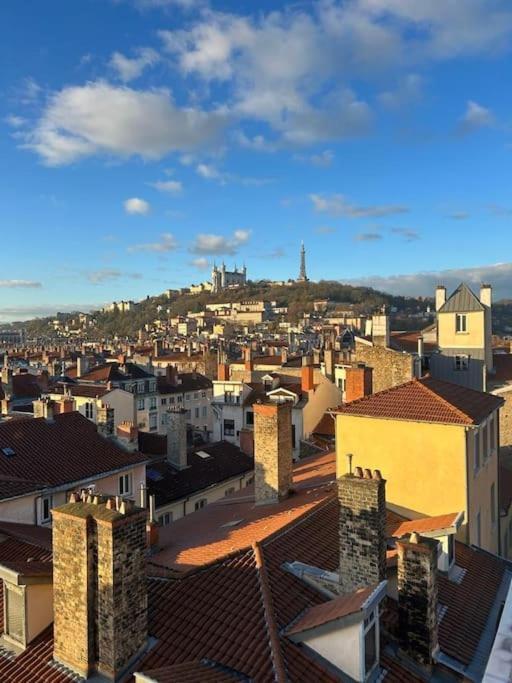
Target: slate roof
x=86, y=390
x=462, y=300
x=426, y=400
x=193, y=672
x=168, y=484
x=190, y=381
x=65, y=450
x=111, y=372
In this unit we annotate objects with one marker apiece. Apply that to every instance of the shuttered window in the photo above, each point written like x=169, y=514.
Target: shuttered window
x=15, y=610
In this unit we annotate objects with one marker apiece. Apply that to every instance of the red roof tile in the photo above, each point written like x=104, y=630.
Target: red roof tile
x=422, y=525
x=426, y=400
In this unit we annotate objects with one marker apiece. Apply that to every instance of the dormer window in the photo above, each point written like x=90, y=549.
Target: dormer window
x=461, y=322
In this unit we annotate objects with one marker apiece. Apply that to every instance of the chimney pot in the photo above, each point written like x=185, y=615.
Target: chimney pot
x=72, y=498
x=367, y=473
x=377, y=474
x=109, y=504
x=358, y=472
x=414, y=538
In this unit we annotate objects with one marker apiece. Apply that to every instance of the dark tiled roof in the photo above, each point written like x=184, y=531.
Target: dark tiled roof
x=189, y=381
x=226, y=461
x=87, y=390
x=463, y=300
x=25, y=385
x=65, y=450
x=426, y=400
x=193, y=672
x=112, y=372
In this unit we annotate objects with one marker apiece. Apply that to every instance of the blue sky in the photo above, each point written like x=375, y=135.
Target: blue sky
x=140, y=140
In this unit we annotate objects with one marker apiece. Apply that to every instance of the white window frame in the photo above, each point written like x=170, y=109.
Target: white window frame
x=461, y=323
x=140, y=404
x=89, y=410
x=48, y=518
x=125, y=484
x=200, y=504
x=461, y=362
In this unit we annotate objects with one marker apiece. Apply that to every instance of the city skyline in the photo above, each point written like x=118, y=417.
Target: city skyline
x=385, y=146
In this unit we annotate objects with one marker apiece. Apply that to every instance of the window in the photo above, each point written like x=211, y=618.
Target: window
x=477, y=450
x=293, y=436
x=152, y=403
x=229, y=491
x=196, y=395
x=163, y=402
x=153, y=421
x=228, y=397
x=249, y=418
x=461, y=322
x=179, y=399
x=199, y=504
x=342, y=384
x=229, y=427
x=164, y=419
x=478, y=529
x=140, y=404
x=15, y=613
x=89, y=411
x=485, y=445
x=203, y=394
x=188, y=397
x=204, y=411
x=171, y=400
x=370, y=648
x=493, y=504
x=461, y=363
x=46, y=506
x=196, y=413
x=152, y=386
x=140, y=387
x=165, y=519
x=125, y=484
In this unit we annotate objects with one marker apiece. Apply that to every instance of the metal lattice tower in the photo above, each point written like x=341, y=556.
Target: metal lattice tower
x=302, y=272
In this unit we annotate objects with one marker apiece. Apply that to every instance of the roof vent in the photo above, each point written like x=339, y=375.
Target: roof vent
x=234, y=522
x=203, y=454
x=8, y=452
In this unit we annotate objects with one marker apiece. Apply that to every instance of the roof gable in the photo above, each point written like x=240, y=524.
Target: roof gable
x=462, y=300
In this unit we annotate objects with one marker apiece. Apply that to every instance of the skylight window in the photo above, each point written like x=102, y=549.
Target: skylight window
x=8, y=452
x=203, y=454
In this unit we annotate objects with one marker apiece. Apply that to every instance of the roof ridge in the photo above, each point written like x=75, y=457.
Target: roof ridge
x=266, y=597
x=443, y=400
x=368, y=397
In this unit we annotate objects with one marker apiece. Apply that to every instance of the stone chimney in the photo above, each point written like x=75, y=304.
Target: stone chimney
x=81, y=366
x=171, y=375
x=329, y=363
x=127, y=435
x=359, y=382
x=43, y=407
x=272, y=452
x=105, y=420
x=440, y=296
x=307, y=378
x=249, y=365
x=362, y=529
x=158, y=347
x=66, y=404
x=99, y=585
x=486, y=295
x=418, y=596
x=177, y=438
x=380, y=328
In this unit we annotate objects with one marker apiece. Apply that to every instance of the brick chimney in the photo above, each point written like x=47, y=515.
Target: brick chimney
x=177, y=438
x=329, y=363
x=223, y=372
x=272, y=452
x=284, y=355
x=418, y=596
x=358, y=382
x=171, y=375
x=99, y=585
x=362, y=529
x=249, y=364
x=127, y=435
x=307, y=378
x=158, y=347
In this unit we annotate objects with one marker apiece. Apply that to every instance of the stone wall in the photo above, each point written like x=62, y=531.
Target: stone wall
x=389, y=367
x=272, y=452
x=362, y=529
x=418, y=597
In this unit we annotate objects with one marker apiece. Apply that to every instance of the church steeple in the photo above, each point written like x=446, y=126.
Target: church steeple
x=302, y=272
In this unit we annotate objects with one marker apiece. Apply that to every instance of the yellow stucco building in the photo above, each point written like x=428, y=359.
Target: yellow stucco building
x=436, y=444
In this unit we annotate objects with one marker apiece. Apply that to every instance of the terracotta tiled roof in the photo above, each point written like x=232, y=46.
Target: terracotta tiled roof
x=193, y=672
x=87, y=390
x=408, y=341
x=426, y=400
x=339, y=607
x=423, y=525
x=326, y=426
x=65, y=450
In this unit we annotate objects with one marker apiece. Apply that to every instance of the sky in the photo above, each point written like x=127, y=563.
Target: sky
x=143, y=140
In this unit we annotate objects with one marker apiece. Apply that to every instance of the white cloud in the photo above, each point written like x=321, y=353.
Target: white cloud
x=325, y=230
x=128, y=69
x=166, y=243
x=135, y=206
x=207, y=243
x=170, y=186
x=408, y=234
x=424, y=283
x=337, y=205
x=322, y=159
x=201, y=263
x=368, y=237
x=29, y=91
x=209, y=172
x=20, y=284
x=15, y=121
x=19, y=313
x=99, y=118
x=408, y=91
x=476, y=116
x=102, y=275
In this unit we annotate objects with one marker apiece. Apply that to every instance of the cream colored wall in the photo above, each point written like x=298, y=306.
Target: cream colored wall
x=424, y=464
x=22, y=510
x=326, y=395
x=479, y=485
x=39, y=603
x=473, y=338
x=340, y=647
x=123, y=403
